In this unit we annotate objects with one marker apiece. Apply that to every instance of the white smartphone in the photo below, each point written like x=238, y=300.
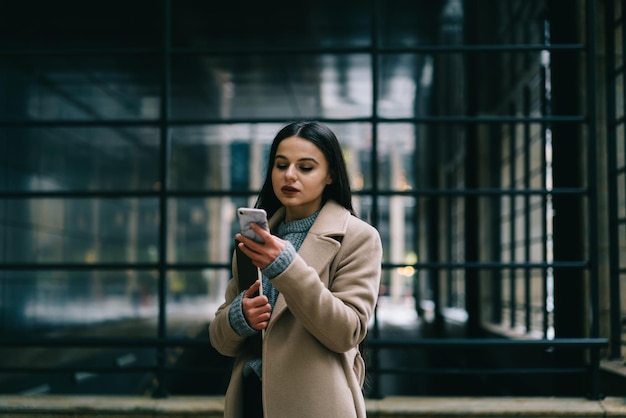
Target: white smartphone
x=249, y=215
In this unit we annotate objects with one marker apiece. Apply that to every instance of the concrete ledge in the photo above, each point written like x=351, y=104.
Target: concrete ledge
x=478, y=407
x=110, y=406
x=41, y=406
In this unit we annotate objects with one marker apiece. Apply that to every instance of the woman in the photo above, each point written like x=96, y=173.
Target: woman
x=321, y=274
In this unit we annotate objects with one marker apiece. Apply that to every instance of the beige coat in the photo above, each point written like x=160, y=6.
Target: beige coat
x=311, y=363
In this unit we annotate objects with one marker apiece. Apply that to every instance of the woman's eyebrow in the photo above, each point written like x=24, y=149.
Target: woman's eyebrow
x=299, y=160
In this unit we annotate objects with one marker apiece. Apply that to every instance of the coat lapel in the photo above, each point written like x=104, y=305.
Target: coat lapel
x=321, y=243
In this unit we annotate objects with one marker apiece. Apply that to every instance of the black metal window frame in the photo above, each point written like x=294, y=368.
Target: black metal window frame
x=615, y=71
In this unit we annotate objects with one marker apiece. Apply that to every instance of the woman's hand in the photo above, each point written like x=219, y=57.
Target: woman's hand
x=256, y=309
x=262, y=255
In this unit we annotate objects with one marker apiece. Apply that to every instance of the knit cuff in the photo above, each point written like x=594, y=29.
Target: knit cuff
x=253, y=366
x=281, y=262
x=238, y=320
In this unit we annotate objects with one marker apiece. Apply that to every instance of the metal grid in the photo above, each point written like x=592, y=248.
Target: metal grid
x=444, y=272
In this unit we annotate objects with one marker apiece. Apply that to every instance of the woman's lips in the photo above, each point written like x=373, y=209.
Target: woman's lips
x=289, y=190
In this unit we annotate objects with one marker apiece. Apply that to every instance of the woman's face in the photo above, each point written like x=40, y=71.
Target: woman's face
x=299, y=176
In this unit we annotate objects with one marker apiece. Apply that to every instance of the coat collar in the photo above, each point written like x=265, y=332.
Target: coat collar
x=321, y=243
x=325, y=234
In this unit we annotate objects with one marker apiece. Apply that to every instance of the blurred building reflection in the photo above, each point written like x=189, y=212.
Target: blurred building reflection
x=130, y=132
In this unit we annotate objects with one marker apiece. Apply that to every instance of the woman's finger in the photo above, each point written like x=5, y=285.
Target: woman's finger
x=253, y=289
x=257, y=311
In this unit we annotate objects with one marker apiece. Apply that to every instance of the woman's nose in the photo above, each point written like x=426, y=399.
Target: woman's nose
x=290, y=172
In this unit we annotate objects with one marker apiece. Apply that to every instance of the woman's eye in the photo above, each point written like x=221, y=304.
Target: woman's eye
x=306, y=168
x=281, y=166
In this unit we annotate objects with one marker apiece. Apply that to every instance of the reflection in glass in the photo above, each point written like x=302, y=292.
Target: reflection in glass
x=80, y=230
x=271, y=86
x=405, y=84
x=403, y=27
x=74, y=24
x=55, y=299
x=77, y=158
x=398, y=234
x=228, y=25
x=202, y=230
x=397, y=156
x=193, y=296
x=80, y=88
x=620, y=164
x=220, y=157
x=356, y=143
x=234, y=157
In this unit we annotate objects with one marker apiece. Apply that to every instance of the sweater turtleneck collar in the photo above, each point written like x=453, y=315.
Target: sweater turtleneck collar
x=297, y=226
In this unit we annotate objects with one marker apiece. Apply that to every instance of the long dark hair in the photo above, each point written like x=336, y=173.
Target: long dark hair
x=325, y=139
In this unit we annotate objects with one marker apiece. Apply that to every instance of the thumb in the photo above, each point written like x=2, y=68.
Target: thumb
x=253, y=289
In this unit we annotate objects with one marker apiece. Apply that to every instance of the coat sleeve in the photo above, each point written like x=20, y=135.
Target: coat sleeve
x=337, y=315
x=221, y=334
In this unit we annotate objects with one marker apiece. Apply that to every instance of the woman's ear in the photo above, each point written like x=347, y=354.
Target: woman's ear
x=330, y=178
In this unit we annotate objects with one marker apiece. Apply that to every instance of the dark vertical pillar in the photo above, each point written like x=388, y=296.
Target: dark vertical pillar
x=612, y=170
x=495, y=225
x=472, y=288
x=568, y=172
x=432, y=234
x=15, y=241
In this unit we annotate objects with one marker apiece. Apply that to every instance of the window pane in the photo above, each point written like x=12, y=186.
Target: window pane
x=36, y=300
x=409, y=23
x=397, y=229
x=220, y=157
x=193, y=297
x=405, y=84
x=271, y=86
x=79, y=230
x=71, y=159
x=356, y=142
x=75, y=24
x=323, y=23
x=79, y=88
x=202, y=230
x=396, y=156
x=398, y=235
x=234, y=157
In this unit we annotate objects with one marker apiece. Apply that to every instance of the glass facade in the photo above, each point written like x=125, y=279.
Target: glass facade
x=130, y=133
